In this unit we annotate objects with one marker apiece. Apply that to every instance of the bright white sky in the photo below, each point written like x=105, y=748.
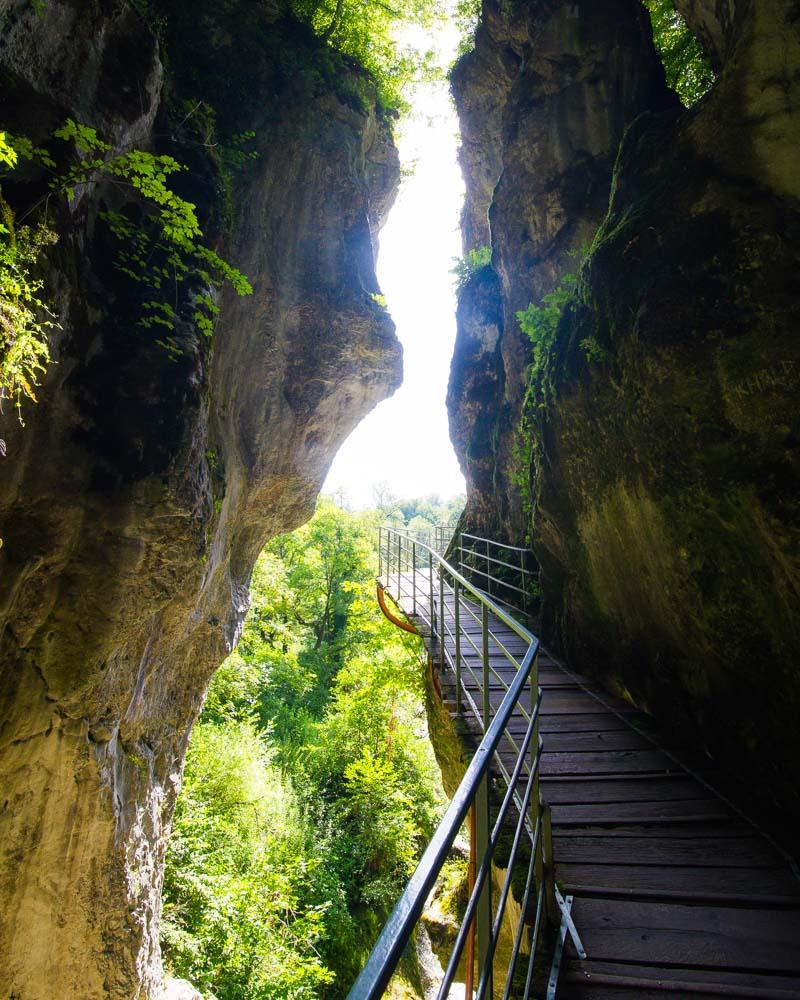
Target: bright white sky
x=404, y=442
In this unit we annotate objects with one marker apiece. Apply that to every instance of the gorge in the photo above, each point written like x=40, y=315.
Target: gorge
x=623, y=395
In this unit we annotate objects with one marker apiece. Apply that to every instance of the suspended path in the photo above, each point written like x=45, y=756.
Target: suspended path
x=631, y=877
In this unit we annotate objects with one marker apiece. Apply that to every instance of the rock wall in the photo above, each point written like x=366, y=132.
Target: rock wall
x=664, y=472
x=135, y=499
x=543, y=101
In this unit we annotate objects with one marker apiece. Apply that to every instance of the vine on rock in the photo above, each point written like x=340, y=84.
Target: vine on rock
x=25, y=319
x=161, y=248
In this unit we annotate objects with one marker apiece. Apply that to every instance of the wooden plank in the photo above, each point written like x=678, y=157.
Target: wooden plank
x=561, y=721
x=686, y=880
x=710, y=833
x=599, y=989
x=565, y=722
x=616, y=813
x=678, y=934
x=610, y=762
x=686, y=981
x=623, y=789
x=589, y=707
x=626, y=739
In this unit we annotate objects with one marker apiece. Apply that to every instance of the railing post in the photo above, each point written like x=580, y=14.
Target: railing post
x=488, y=570
x=487, y=703
x=380, y=553
x=399, y=561
x=388, y=562
x=442, y=629
x=534, y=807
x=430, y=595
x=457, y=631
x=483, y=912
x=414, y=576
x=484, y=909
x=551, y=904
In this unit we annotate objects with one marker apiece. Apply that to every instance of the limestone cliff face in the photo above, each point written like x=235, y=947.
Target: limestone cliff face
x=543, y=101
x=664, y=471
x=136, y=498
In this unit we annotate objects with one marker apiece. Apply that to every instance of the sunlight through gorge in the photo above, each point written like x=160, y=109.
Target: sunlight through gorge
x=405, y=442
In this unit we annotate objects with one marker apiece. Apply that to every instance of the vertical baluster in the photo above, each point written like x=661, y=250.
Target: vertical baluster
x=533, y=806
x=457, y=630
x=442, y=629
x=483, y=913
x=399, y=560
x=487, y=704
x=553, y=912
x=484, y=909
x=388, y=556
x=432, y=604
x=488, y=569
x=414, y=576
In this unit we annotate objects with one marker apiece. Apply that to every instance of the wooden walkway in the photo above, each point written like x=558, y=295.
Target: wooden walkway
x=675, y=893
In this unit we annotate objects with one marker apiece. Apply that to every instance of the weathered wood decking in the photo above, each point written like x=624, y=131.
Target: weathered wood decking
x=675, y=892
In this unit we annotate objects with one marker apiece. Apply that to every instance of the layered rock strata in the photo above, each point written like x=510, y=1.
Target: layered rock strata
x=135, y=499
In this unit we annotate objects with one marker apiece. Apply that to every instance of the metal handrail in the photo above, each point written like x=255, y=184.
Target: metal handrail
x=499, y=545
x=443, y=600
x=438, y=535
x=481, y=597
x=512, y=587
x=383, y=960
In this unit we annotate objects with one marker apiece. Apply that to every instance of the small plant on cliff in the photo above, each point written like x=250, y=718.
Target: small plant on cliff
x=540, y=322
x=25, y=319
x=687, y=68
x=466, y=15
x=464, y=267
x=593, y=350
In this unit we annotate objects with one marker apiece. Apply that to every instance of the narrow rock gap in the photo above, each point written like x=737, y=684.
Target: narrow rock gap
x=404, y=444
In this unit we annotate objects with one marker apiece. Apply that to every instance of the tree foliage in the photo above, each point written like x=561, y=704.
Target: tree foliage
x=416, y=513
x=686, y=66
x=238, y=920
x=466, y=15
x=369, y=33
x=310, y=786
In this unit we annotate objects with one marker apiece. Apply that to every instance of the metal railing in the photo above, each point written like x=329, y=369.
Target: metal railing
x=506, y=572
x=510, y=828
x=438, y=536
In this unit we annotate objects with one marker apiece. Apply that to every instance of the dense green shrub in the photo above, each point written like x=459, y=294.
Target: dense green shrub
x=310, y=786
x=237, y=918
